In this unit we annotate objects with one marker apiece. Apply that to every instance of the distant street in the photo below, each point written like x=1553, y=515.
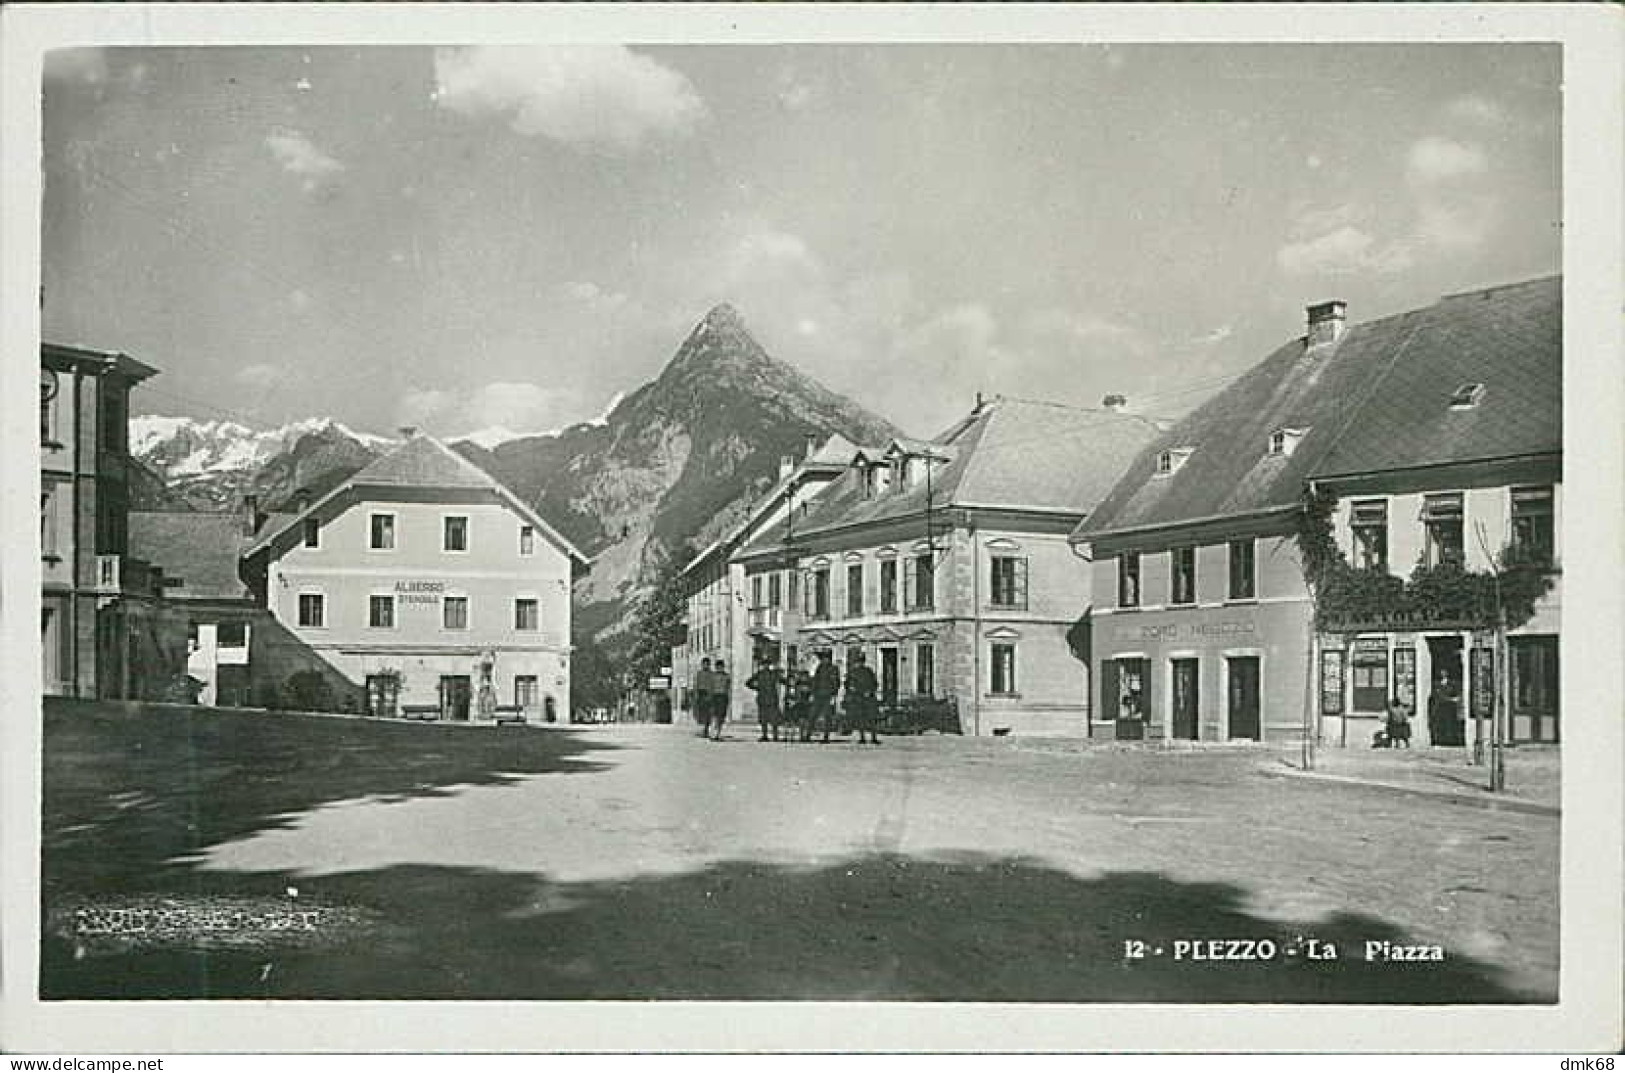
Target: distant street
x=645, y=862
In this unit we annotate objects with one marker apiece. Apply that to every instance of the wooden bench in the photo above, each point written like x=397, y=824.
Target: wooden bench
x=427, y=712
x=509, y=715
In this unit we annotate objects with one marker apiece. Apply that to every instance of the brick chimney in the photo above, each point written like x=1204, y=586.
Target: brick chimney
x=407, y=431
x=1326, y=323
x=301, y=500
x=787, y=466
x=251, y=514
x=1114, y=403
x=811, y=446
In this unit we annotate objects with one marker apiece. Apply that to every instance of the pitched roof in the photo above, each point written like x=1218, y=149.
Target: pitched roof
x=1011, y=453
x=199, y=549
x=420, y=462
x=835, y=453
x=1376, y=399
x=423, y=461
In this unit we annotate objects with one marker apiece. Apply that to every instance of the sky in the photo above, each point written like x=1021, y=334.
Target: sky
x=462, y=238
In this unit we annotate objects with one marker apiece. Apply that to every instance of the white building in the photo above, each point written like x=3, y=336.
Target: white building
x=426, y=581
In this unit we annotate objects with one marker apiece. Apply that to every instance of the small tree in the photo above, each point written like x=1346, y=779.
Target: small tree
x=658, y=623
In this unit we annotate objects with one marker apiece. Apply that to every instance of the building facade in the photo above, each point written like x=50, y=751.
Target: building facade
x=720, y=624
x=1436, y=437
x=947, y=564
x=430, y=586
x=104, y=626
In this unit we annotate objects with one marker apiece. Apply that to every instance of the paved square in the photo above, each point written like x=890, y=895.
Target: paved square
x=633, y=862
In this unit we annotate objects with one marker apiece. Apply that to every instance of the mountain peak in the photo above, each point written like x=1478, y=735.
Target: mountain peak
x=723, y=315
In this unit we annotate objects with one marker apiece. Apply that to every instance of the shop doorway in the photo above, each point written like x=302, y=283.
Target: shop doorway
x=456, y=690
x=1445, y=724
x=1243, y=701
x=1534, y=689
x=1185, y=699
x=1133, y=699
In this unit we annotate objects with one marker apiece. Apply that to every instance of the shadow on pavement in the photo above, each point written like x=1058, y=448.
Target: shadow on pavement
x=970, y=928
x=128, y=788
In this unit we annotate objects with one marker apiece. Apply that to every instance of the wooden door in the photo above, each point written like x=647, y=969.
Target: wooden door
x=1185, y=699
x=455, y=693
x=1243, y=701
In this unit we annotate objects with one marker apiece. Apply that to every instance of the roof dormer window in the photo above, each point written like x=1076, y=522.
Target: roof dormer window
x=1169, y=461
x=1467, y=396
x=1283, y=441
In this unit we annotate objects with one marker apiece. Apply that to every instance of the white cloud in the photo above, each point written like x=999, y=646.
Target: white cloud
x=1346, y=250
x=423, y=406
x=514, y=408
x=1214, y=337
x=599, y=95
x=1476, y=109
x=1455, y=207
x=1434, y=159
x=259, y=376
x=76, y=65
x=299, y=156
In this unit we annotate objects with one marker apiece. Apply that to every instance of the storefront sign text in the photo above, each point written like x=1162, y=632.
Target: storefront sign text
x=1200, y=631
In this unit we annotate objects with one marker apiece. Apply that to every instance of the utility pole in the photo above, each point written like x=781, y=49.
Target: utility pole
x=1498, y=708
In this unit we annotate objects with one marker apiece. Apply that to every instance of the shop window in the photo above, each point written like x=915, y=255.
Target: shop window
x=1534, y=702
x=381, y=532
x=312, y=610
x=1442, y=516
x=1243, y=576
x=456, y=534
x=925, y=670
x=1331, y=682
x=1004, y=669
x=1368, y=519
x=854, y=590
x=1183, y=567
x=1009, y=581
x=1128, y=579
x=381, y=612
x=454, y=612
x=1532, y=516
x=1370, y=675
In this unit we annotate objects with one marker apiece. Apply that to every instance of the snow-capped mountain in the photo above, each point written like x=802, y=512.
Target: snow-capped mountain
x=181, y=447
x=210, y=465
x=493, y=437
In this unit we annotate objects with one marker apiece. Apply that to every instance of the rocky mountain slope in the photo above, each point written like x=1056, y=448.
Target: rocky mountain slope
x=672, y=463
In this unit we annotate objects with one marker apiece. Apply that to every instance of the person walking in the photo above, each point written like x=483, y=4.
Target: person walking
x=861, y=706
x=826, y=682
x=721, y=691
x=700, y=697
x=767, y=682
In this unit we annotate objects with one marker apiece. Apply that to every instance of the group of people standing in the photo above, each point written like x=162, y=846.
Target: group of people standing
x=803, y=699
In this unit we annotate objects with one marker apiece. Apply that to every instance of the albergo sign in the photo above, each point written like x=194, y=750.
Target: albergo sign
x=419, y=592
